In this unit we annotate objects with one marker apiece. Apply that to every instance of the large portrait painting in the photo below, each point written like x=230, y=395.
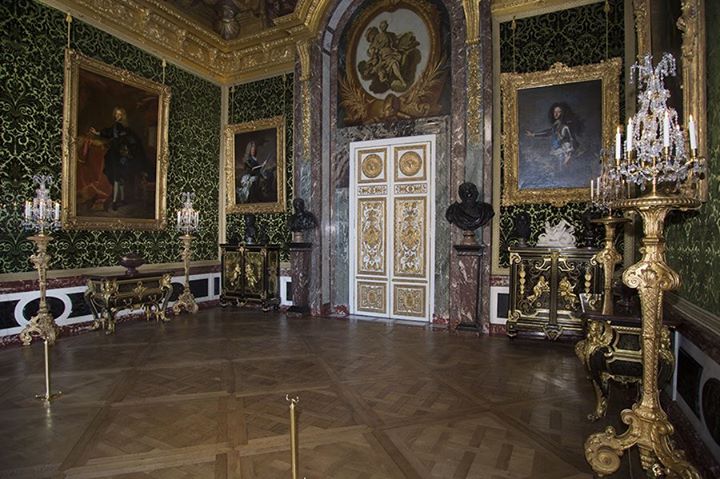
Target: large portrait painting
x=255, y=166
x=115, y=153
x=393, y=63
x=556, y=124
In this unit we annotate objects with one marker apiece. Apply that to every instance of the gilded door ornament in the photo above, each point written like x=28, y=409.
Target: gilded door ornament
x=410, y=163
x=566, y=293
x=409, y=300
x=371, y=166
x=371, y=225
x=371, y=297
x=409, y=236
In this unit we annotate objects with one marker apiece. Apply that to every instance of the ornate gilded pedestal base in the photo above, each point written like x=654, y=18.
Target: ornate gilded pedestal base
x=608, y=257
x=43, y=323
x=186, y=300
x=649, y=428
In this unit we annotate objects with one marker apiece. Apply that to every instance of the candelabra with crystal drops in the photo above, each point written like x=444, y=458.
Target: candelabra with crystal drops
x=657, y=165
x=603, y=191
x=42, y=215
x=188, y=220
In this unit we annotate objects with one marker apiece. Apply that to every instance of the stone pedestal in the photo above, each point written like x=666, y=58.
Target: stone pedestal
x=467, y=313
x=300, y=253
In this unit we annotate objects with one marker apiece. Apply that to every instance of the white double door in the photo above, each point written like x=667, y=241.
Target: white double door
x=392, y=211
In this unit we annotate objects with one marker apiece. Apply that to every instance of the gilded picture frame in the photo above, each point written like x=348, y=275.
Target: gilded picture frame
x=114, y=148
x=555, y=125
x=255, y=166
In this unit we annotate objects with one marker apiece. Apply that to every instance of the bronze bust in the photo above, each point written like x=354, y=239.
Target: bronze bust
x=469, y=214
x=301, y=220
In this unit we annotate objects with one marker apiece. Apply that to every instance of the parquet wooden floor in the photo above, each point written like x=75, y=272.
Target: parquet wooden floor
x=204, y=397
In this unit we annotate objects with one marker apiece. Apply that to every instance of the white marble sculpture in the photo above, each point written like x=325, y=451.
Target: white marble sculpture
x=559, y=236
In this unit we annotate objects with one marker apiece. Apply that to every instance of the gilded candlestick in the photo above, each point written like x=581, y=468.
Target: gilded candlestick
x=43, y=323
x=608, y=257
x=649, y=428
x=186, y=300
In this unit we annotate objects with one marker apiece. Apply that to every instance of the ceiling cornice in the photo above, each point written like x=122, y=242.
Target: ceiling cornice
x=154, y=26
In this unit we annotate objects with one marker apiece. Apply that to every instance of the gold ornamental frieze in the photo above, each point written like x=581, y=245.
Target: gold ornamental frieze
x=411, y=188
x=372, y=190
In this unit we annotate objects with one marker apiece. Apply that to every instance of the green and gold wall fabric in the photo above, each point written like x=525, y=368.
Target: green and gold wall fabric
x=693, y=240
x=31, y=102
x=574, y=37
x=255, y=101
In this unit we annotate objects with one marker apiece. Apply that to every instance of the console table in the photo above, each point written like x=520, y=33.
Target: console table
x=545, y=284
x=107, y=294
x=250, y=273
x=612, y=351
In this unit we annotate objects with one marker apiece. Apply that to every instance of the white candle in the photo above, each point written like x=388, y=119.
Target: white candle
x=666, y=129
x=618, y=143
x=178, y=218
x=629, y=140
x=693, y=137
x=42, y=210
x=27, y=210
x=57, y=211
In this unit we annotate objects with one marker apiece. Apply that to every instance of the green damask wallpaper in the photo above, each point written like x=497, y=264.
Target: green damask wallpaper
x=693, y=240
x=31, y=106
x=574, y=37
x=255, y=101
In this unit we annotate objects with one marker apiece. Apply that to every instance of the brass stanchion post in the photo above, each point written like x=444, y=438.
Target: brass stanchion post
x=48, y=396
x=293, y=436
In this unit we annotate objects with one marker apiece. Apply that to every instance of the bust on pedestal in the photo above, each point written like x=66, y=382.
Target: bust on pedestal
x=469, y=214
x=300, y=222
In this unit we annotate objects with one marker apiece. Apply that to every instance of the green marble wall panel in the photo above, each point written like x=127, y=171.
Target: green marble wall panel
x=255, y=101
x=693, y=240
x=574, y=37
x=31, y=109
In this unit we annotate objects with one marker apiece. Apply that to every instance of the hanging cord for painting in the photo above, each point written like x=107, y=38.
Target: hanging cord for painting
x=513, y=27
x=606, y=8
x=164, y=66
x=68, y=20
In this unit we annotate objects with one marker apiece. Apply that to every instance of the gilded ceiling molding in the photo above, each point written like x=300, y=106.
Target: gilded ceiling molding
x=472, y=21
x=512, y=7
x=303, y=50
x=154, y=26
